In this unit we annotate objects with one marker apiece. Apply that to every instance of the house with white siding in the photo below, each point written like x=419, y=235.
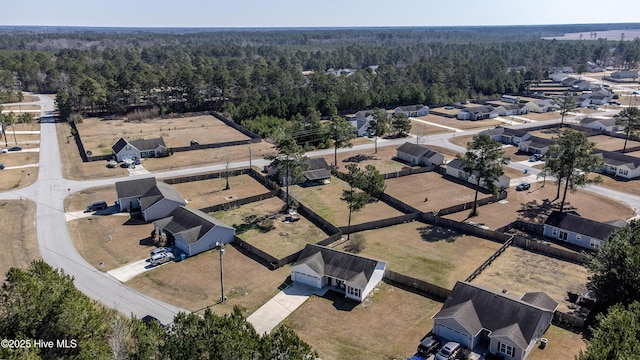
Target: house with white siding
x=535, y=145
x=153, y=199
x=625, y=74
x=512, y=109
x=355, y=276
x=574, y=229
x=415, y=154
x=543, y=105
x=193, y=231
x=619, y=165
x=138, y=149
x=608, y=124
x=412, y=110
x=478, y=113
x=507, y=135
x=511, y=326
x=455, y=168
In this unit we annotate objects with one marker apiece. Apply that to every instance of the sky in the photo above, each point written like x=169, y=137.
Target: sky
x=304, y=13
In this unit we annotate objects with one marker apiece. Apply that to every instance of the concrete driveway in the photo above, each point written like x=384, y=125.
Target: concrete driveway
x=129, y=271
x=267, y=317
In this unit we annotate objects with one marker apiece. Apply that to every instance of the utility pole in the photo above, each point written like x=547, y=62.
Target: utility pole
x=220, y=246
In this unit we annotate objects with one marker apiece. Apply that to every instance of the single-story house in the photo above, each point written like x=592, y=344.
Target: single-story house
x=536, y=145
x=557, y=77
x=583, y=100
x=361, y=121
x=597, y=99
x=412, y=110
x=512, y=99
x=415, y=154
x=569, y=81
x=355, y=275
x=507, y=135
x=618, y=164
x=608, y=124
x=582, y=85
x=138, y=149
x=511, y=326
x=318, y=171
x=543, y=105
x=193, y=231
x=455, y=168
x=625, y=74
x=577, y=230
x=478, y=113
x=153, y=199
x=512, y=109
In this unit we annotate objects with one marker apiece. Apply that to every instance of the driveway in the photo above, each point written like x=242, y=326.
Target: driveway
x=267, y=317
x=129, y=271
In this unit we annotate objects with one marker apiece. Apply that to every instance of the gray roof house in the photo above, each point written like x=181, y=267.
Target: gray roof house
x=608, y=124
x=577, y=230
x=412, y=110
x=415, y=154
x=543, y=105
x=318, y=171
x=625, y=74
x=193, y=231
x=361, y=121
x=478, y=113
x=455, y=168
x=618, y=164
x=512, y=109
x=536, y=145
x=512, y=326
x=153, y=199
x=320, y=266
x=507, y=135
x=138, y=149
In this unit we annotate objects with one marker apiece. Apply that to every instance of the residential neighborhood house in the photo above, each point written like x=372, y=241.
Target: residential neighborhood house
x=361, y=122
x=356, y=276
x=512, y=109
x=536, y=145
x=455, y=168
x=508, y=326
x=625, y=74
x=318, y=171
x=138, y=149
x=193, y=231
x=153, y=199
x=507, y=135
x=543, y=105
x=608, y=124
x=412, y=110
x=478, y=113
x=618, y=164
x=574, y=229
x=415, y=154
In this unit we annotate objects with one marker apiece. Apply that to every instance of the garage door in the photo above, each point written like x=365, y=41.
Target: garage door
x=451, y=334
x=305, y=279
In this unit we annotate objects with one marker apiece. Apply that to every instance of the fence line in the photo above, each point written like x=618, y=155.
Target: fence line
x=488, y=262
x=563, y=319
x=205, y=176
x=419, y=286
x=379, y=223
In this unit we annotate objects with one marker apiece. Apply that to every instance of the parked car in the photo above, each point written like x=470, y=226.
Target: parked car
x=450, y=350
x=636, y=92
x=523, y=186
x=162, y=258
x=112, y=163
x=15, y=148
x=159, y=250
x=614, y=103
x=98, y=205
x=536, y=157
x=1, y=166
x=2, y=151
x=428, y=346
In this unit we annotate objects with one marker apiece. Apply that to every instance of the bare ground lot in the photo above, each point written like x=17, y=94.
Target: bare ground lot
x=541, y=116
x=99, y=135
x=383, y=160
x=610, y=143
x=620, y=184
x=19, y=158
x=16, y=178
x=204, y=193
x=283, y=240
x=80, y=200
x=18, y=243
x=422, y=129
x=520, y=271
x=325, y=201
x=27, y=99
x=194, y=284
x=460, y=124
x=535, y=205
x=18, y=108
x=390, y=324
x=430, y=253
x=441, y=193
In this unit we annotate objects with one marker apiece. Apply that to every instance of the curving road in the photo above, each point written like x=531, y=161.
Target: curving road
x=57, y=249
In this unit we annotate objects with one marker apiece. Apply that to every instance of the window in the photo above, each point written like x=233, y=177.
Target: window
x=353, y=291
x=595, y=243
x=506, y=349
x=563, y=235
x=623, y=172
x=555, y=231
x=578, y=237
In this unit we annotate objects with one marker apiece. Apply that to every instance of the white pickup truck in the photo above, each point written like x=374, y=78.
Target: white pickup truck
x=161, y=258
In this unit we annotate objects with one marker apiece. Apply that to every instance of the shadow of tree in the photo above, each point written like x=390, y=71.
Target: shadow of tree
x=339, y=301
x=537, y=213
x=432, y=233
x=358, y=158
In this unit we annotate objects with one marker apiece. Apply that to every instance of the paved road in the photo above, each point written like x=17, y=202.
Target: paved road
x=56, y=246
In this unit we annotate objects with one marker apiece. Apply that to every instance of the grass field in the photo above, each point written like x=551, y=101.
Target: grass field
x=389, y=325
x=18, y=243
x=204, y=193
x=79, y=201
x=460, y=124
x=427, y=252
x=325, y=201
x=16, y=178
x=283, y=240
x=383, y=160
x=610, y=143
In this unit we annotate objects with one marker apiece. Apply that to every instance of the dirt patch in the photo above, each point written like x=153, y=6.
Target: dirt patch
x=620, y=184
x=79, y=201
x=194, y=284
x=542, y=116
x=18, y=243
x=537, y=203
x=610, y=143
x=421, y=129
x=325, y=201
x=261, y=225
x=519, y=271
x=19, y=158
x=383, y=160
x=18, y=108
x=386, y=330
x=211, y=192
x=16, y=178
x=427, y=252
x=461, y=140
x=460, y=124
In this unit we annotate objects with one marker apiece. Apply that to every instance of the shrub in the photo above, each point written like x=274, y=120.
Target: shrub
x=357, y=243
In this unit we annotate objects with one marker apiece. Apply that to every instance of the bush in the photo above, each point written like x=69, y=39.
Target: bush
x=357, y=243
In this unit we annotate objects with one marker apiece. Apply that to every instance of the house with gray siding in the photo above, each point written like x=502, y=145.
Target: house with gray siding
x=574, y=229
x=536, y=145
x=478, y=113
x=415, y=154
x=138, y=149
x=507, y=135
x=153, y=199
x=455, y=168
x=511, y=326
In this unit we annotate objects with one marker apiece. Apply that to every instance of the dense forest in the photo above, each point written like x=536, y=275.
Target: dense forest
x=278, y=75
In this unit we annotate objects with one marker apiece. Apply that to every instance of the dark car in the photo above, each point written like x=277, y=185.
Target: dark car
x=428, y=346
x=1, y=166
x=98, y=205
x=523, y=186
x=15, y=148
x=614, y=102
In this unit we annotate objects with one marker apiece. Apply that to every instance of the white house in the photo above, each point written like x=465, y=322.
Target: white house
x=618, y=164
x=193, y=231
x=412, y=110
x=153, y=199
x=512, y=99
x=138, y=149
x=478, y=113
x=355, y=275
x=543, y=105
x=415, y=154
x=577, y=230
x=361, y=121
x=512, y=109
x=507, y=135
x=511, y=326
x=558, y=76
x=608, y=124
x=455, y=168
x=535, y=145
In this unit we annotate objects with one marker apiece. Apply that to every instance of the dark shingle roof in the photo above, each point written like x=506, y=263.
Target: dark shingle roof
x=412, y=149
x=147, y=144
x=540, y=299
x=318, y=163
x=494, y=311
x=617, y=159
x=158, y=192
x=134, y=188
x=119, y=145
x=338, y=264
x=539, y=142
x=580, y=225
x=410, y=107
x=318, y=174
x=479, y=109
x=191, y=224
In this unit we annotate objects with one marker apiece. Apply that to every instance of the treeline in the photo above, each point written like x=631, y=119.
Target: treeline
x=282, y=73
x=41, y=303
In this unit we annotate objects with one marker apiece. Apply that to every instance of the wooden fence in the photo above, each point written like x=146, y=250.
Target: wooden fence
x=379, y=223
x=397, y=204
x=568, y=320
x=469, y=205
x=536, y=229
x=465, y=228
x=206, y=176
x=488, y=262
x=541, y=248
x=239, y=202
x=420, y=170
x=419, y=286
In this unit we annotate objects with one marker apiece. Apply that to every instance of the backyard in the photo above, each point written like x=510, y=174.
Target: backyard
x=460, y=124
x=18, y=243
x=204, y=193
